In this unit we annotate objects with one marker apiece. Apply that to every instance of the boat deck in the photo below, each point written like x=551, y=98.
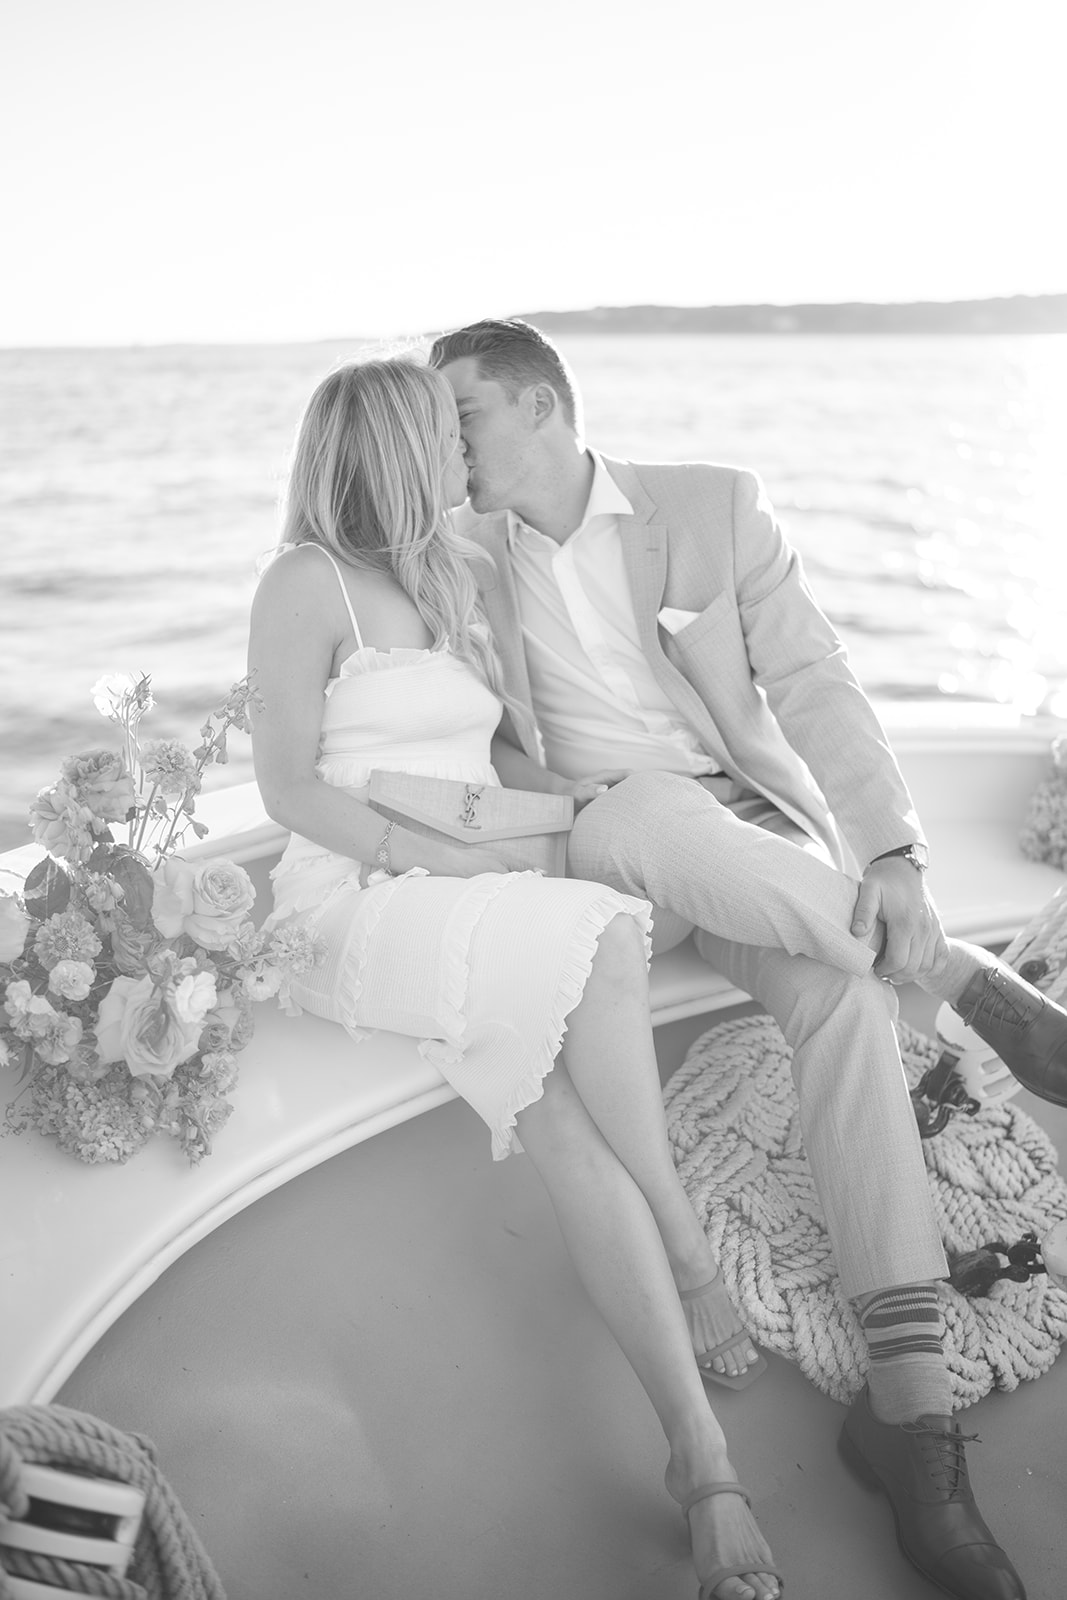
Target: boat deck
x=384, y=1381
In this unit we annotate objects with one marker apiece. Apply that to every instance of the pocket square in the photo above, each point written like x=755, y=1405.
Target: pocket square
x=674, y=620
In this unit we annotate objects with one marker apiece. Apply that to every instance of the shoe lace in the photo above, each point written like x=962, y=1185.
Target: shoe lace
x=943, y=1453
x=998, y=1003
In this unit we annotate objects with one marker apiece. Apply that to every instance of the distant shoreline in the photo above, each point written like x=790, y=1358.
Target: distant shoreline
x=1042, y=313
x=1010, y=314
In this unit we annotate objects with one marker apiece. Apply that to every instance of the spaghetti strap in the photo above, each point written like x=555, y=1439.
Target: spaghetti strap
x=344, y=592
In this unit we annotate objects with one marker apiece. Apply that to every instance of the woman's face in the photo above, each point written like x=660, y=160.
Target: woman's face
x=455, y=472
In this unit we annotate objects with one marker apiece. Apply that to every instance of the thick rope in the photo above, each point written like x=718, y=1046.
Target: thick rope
x=169, y=1562
x=1044, y=939
x=733, y=1123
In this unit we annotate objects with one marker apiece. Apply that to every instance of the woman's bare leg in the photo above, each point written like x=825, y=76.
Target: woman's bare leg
x=612, y=1062
x=614, y=1242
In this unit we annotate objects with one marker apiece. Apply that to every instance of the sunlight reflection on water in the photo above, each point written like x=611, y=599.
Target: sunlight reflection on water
x=923, y=480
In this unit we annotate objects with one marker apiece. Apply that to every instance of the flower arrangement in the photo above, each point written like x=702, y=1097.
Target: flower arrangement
x=127, y=974
x=1044, y=831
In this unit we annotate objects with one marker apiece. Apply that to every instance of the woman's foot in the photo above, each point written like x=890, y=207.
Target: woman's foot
x=724, y=1535
x=723, y=1347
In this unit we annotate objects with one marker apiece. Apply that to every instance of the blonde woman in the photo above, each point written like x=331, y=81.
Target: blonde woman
x=528, y=993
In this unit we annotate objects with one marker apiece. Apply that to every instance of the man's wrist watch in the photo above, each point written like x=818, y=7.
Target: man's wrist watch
x=917, y=854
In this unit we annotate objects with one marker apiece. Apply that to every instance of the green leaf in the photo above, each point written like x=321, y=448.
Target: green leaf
x=47, y=889
x=136, y=882
x=103, y=856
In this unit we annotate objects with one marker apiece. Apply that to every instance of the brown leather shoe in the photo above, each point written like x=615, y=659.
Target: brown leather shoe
x=922, y=1468
x=1026, y=1029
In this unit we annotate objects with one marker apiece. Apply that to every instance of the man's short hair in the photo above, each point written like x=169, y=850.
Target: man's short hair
x=513, y=354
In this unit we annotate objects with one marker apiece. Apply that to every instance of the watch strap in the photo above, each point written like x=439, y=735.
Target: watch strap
x=915, y=854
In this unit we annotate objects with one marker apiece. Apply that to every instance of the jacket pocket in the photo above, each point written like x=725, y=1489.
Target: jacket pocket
x=704, y=624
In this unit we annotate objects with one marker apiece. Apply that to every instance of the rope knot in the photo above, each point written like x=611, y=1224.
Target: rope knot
x=14, y=1501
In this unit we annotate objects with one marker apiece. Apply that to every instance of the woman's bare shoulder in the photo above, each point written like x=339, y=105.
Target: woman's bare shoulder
x=295, y=574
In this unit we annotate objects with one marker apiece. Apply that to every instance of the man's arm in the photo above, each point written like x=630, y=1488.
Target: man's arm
x=800, y=664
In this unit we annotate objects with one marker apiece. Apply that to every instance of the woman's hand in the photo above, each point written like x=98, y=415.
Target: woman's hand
x=583, y=790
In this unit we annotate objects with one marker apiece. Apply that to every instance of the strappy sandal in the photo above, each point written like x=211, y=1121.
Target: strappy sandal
x=727, y=1380
x=756, y=1563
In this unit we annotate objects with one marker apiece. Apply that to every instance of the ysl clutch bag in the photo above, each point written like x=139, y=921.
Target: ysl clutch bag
x=526, y=829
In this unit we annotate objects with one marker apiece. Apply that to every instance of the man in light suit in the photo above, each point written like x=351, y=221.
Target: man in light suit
x=656, y=629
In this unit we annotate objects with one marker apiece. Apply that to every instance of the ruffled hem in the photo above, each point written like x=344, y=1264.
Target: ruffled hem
x=353, y=772
x=376, y=898
x=458, y=934
x=370, y=659
x=449, y=1052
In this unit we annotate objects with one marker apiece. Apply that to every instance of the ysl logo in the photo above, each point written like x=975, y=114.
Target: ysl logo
x=471, y=796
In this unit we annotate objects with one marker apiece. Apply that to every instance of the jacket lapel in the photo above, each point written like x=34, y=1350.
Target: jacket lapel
x=501, y=603
x=644, y=548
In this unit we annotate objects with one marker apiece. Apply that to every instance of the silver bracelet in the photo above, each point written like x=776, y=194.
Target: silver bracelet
x=382, y=856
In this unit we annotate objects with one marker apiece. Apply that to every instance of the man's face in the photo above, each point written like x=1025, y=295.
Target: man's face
x=454, y=481
x=497, y=434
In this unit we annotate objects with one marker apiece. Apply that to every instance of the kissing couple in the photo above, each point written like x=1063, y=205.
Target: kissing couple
x=465, y=593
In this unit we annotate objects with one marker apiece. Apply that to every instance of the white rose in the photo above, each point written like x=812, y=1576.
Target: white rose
x=14, y=926
x=17, y=999
x=71, y=980
x=136, y=1025
x=193, y=998
x=209, y=902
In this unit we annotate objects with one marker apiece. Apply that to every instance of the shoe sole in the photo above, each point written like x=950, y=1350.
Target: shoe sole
x=861, y=1468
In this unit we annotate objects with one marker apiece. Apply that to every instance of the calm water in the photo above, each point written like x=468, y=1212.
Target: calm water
x=923, y=479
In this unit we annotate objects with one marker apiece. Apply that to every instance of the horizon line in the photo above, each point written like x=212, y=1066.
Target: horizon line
x=783, y=307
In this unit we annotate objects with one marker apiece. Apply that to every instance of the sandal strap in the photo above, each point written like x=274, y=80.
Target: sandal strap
x=702, y=1288
x=704, y=1491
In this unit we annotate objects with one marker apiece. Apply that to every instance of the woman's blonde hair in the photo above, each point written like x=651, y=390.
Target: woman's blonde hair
x=367, y=482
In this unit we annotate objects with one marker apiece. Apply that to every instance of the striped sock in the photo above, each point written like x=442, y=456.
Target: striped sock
x=905, y=1330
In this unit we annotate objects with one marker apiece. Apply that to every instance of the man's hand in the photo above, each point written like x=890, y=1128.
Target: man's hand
x=585, y=789
x=892, y=897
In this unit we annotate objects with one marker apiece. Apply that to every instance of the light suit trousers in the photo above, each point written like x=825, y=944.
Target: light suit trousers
x=773, y=915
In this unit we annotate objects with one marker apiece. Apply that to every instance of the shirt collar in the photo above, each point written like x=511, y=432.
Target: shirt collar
x=606, y=499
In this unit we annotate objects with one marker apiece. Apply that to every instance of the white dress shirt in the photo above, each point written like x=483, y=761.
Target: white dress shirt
x=597, y=702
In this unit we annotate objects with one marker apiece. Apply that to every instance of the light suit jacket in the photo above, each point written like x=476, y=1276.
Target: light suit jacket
x=759, y=674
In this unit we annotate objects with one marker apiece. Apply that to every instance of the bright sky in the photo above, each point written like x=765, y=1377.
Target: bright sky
x=183, y=170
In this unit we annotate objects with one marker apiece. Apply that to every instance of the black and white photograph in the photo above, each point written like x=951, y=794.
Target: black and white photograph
x=533, y=810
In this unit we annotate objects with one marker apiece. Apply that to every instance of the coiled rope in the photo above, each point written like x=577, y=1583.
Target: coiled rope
x=169, y=1562
x=1044, y=939
x=734, y=1126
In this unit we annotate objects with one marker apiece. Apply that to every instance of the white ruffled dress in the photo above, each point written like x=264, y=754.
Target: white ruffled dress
x=483, y=970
